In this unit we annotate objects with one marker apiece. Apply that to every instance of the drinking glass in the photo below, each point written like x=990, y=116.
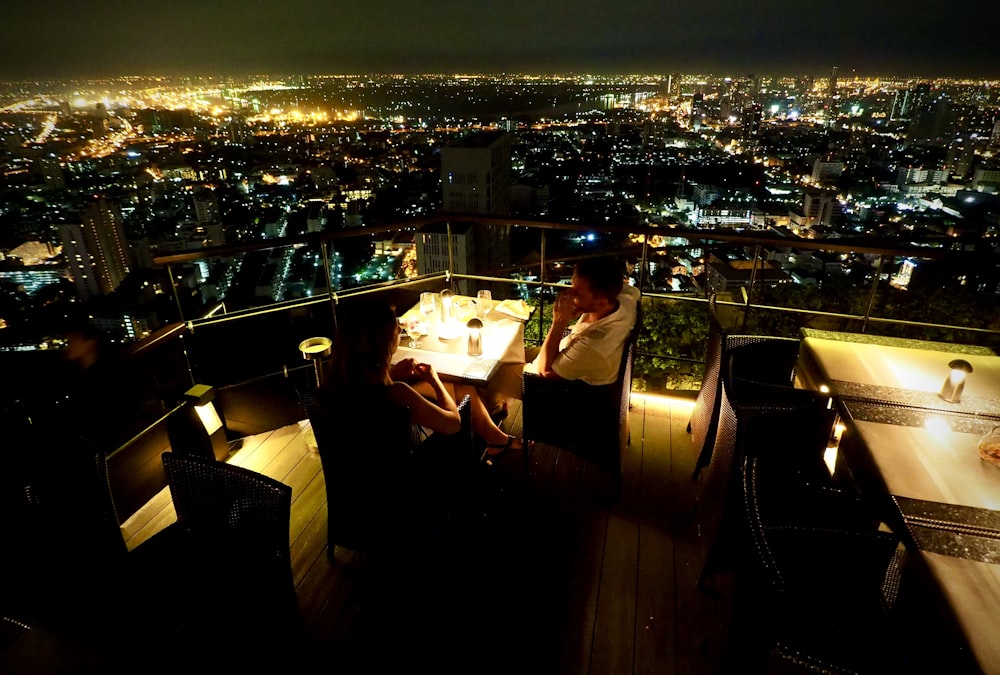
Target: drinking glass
x=417, y=329
x=410, y=327
x=484, y=303
x=427, y=304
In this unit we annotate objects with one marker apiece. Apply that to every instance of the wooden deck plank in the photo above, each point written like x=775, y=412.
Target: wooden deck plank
x=257, y=456
x=701, y=641
x=656, y=591
x=614, y=626
x=311, y=499
x=155, y=515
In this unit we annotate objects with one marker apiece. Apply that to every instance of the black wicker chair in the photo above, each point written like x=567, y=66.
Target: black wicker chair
x=705, y=415
x=587, y=420
x=63, y=548
x=823, y=579
x=752, y=415
x=224, y=565
x=374, y=461
x=769, y=360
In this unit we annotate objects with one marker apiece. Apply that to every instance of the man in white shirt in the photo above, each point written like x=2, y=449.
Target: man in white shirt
x=606, y=308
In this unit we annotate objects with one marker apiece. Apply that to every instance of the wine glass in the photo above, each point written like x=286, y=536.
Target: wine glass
x=407, y=326
x=427, y=304
x=416, y=329
x=484, y=303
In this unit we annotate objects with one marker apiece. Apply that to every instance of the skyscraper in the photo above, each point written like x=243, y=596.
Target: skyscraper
x=476, y=174
x=96, y=250
x=476, y=178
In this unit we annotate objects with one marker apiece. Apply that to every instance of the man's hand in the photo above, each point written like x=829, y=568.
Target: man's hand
x=564, y=310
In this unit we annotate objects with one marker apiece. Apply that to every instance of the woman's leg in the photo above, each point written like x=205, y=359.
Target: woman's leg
x=482, y=423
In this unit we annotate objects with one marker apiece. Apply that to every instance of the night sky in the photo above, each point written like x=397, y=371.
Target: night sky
x=99, y=38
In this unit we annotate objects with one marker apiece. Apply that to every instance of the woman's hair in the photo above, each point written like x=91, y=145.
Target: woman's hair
x=363, y=347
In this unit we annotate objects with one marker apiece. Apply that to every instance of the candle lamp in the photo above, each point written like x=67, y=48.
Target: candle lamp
x=475, y=327
x=955, y=383
x=446, y=299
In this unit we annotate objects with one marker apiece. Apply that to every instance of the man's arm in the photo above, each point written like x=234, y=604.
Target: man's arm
x=563, y=312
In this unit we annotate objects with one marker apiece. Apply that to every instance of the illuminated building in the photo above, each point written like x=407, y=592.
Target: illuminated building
x=476, y=178
x=96, y=250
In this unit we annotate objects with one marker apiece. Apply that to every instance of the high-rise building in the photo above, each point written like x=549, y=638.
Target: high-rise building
x=753, y=114
x=476, y=174
x=206, y=207
x=96, y=250
x=818, y=206
x=476, y=178
x=995, y=135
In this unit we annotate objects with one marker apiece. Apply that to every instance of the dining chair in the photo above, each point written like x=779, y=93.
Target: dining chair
x=384, y=482
x=63, y=548
x=824, y=577
x=768, y=359
x=590, y=421
x=223, y=567
x=752, y=415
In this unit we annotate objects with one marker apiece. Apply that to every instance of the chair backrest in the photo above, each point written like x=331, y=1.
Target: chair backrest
x=216, y=496
x=56, y=506
x=705, y=415
x=372, y=459
x=752, y=415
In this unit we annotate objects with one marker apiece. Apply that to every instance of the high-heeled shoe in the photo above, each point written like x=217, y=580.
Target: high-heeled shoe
x=502, y=448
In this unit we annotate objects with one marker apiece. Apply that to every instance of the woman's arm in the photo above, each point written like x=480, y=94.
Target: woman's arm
x=441, y=415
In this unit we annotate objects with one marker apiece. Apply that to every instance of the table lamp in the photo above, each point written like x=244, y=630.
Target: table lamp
x=446, y=299
x=197, y=428
x=475, y=327
x=953, y=386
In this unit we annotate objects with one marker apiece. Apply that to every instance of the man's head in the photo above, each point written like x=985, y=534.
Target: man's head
x=596, y=285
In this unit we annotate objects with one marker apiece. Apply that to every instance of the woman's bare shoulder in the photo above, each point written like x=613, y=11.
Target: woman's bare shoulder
x=402, y=393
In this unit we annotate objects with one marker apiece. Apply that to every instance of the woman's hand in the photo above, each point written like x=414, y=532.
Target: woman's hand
x=425, y=372
x=404, y=371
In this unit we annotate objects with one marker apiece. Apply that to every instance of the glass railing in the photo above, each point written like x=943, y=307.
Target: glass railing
x=244, y=309
x=290, y=287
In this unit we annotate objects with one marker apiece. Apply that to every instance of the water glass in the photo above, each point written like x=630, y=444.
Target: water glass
x=427, y=303
x=484, y=303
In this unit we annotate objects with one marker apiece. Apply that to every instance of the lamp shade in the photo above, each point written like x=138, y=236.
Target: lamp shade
x=951, y=391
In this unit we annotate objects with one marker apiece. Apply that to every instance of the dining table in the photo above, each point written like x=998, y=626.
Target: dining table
x=445, y=336
x=914, y=455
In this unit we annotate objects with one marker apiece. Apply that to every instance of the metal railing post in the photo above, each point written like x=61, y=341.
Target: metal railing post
x=871, y=298
x=173, y=289
x=329, y=283
x=643, y=262
x=451, y=258
x=541, y=291
x=753, y=277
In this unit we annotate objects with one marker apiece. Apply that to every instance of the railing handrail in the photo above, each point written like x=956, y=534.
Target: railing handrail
x=869, y=245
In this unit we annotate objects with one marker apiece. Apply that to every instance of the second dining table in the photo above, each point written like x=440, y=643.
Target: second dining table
x=914, y=454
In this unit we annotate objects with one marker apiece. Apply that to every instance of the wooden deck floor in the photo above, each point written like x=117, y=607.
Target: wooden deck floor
x=564, y=580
